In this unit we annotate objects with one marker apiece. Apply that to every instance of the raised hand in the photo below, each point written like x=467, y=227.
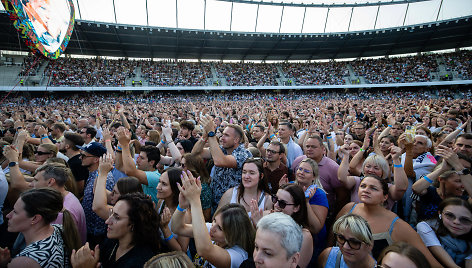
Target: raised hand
x=106, y=163
x=84, y=257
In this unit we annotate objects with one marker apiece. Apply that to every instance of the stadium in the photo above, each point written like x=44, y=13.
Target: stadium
x=236, y=133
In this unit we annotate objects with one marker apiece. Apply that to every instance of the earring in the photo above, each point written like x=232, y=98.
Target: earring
x=440, y=216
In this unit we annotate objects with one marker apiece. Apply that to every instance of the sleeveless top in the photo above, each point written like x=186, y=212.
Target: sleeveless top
x=381, y=240
x=336, y=259
x=260, y=203
x=49, y=252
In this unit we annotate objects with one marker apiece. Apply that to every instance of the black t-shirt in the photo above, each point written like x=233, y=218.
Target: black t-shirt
x=134, y=258
x=80, y=173
x=428, y=205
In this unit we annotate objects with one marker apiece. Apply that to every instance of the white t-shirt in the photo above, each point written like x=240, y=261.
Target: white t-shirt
x=427, y=234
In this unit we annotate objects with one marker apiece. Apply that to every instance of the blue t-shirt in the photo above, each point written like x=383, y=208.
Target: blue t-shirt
x=151, y=188
x=319, y=240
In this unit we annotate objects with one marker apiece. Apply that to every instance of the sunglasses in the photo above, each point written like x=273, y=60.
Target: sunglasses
x=41, y=153
x=282, y=203
x=352, y=242
x=463, y=220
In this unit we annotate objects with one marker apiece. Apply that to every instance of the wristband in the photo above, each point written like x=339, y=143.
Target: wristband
x=397, y=165
x=169, y=238
x=329, y=137
x=180, y=209
x=361, y=149
x=389, y=125
x=45, y=137
x=427, y=179
x=107, y=140
x=272, y=136
x=163, y=142
x=118, y=148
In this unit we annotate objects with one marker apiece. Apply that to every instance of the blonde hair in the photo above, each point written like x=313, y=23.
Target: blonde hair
x=174, y=259
x=358, y=226
x=378, y=161
x=314, y=167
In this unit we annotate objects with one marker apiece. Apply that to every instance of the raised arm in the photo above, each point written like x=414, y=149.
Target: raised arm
x=129, y=166
x=219, y=158
x=17, y=180
x=400, y=179
x=343, y=171
x=214, y=254
x=101, y=194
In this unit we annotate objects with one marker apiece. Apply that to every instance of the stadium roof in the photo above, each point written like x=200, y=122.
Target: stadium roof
x=122, y=38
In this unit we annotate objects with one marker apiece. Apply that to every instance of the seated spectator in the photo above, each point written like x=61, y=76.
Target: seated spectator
x=448, y=235
x=354, y=241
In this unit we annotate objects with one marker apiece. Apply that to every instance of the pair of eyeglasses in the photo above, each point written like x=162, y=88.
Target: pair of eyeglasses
x=272, y=151
x=463, y=220
x=282, y=203
x=41, y=153
x=115, y=217
x=304, y=170
x=352, y=242
x=85, y=156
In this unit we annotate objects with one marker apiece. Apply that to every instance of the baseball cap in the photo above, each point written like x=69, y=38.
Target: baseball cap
x=93, y=148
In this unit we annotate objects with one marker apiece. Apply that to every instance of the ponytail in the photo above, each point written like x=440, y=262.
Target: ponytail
x=70, y=234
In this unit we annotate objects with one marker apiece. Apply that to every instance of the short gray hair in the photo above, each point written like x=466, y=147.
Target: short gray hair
x=286, y=228
x=429, y=144
x=59, y=172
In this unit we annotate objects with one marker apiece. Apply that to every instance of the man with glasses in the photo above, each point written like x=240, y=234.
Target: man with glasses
x=90, y=156
x=274, y=168
x=88, y=133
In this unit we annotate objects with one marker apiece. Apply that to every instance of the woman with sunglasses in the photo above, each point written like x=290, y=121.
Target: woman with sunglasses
x=253, y=186
x=132, y=236
x=290, y=199
x=386, y=226
x=449, y=235
x=354, y=244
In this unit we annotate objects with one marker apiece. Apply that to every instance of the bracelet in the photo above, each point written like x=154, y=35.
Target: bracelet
x=427, y=179
x=107, y=140
x=45, y=137
x=169, y=238
x=180, y=209
x=389, y=125
x=361, y=149
x=271, y=136
x=397, y=165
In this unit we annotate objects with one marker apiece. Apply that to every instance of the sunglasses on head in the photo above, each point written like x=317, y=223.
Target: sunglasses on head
x=282, y=203
x=352, y=242
x=463, y=220
x=41, y=153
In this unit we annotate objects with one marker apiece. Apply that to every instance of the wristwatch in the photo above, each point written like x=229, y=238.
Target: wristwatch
x=12, y=164
x=211, y=134
x=465, y=171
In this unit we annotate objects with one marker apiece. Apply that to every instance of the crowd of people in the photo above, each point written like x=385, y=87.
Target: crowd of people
x=89, y=72
x=164, y=73
x=103, y=72
x=297, y=179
